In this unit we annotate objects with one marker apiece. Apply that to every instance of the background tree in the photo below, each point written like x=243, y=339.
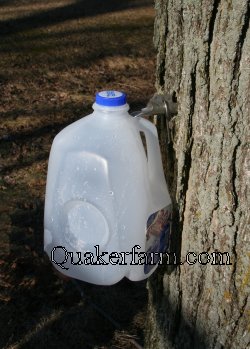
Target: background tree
x=203, y=57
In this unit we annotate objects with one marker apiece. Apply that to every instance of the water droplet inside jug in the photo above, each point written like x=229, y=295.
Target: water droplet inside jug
x=111, y=193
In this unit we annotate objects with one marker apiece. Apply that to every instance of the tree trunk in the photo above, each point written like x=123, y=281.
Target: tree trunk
x=203, y=57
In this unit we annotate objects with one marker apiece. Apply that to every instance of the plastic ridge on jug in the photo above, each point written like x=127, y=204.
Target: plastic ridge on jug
x=107, y=205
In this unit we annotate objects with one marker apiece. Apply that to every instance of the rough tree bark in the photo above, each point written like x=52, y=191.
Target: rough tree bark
x=203, y=57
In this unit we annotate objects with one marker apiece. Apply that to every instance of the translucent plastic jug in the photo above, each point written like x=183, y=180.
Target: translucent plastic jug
x=107, y=205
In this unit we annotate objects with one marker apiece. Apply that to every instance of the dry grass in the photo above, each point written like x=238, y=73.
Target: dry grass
x=54, y=56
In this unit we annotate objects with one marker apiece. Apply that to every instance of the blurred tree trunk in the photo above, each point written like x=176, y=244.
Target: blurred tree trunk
x=203, y=57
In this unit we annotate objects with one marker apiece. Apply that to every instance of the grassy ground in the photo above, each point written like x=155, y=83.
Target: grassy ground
x=54, y=56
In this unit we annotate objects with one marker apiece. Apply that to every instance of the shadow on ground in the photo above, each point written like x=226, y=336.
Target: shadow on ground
x=75, y=10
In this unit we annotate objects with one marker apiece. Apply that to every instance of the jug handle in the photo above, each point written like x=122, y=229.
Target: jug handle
x=155, y=168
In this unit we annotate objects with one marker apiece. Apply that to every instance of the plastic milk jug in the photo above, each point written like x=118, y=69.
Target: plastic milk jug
x=107, y=205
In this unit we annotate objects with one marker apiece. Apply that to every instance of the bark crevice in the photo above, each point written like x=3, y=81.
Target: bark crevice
x=240, y=43
x=211, y=27
x=234, y=177
x=188, y=151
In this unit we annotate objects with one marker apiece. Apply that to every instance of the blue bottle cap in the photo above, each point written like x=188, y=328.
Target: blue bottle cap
x=110, y=98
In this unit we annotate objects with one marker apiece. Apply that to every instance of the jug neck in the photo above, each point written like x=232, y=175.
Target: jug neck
x=117, y=111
